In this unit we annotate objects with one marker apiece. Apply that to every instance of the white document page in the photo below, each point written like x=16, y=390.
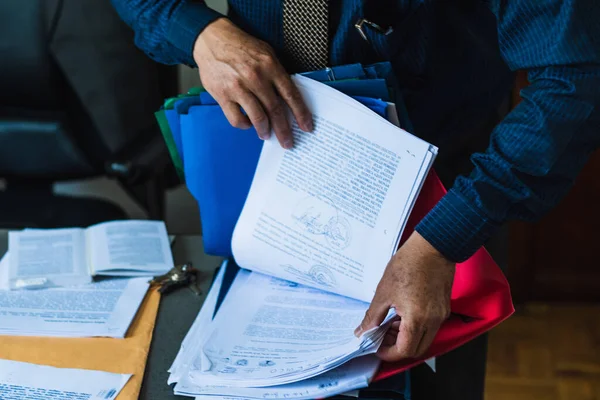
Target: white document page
x=130, y=248
x=431, y=363
x=391, y=114
x=194, y=339
x=19, y=381
x=281, y=328
x=47, y=258
x=355, y=374
x=104, y=308
x=336, y=202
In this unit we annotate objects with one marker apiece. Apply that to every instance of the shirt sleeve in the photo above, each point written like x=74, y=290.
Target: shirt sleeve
x=166, y=30
x=536, y=152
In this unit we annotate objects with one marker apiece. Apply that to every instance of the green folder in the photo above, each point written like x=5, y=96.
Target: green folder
x=163, y=125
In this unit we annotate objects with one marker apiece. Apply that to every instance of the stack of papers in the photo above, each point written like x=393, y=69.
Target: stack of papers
x=43, y=258
x=317, y=229
x=20, y=381
x=352, y=375
x=314, y=228
x=284, y=333
x=105, y=308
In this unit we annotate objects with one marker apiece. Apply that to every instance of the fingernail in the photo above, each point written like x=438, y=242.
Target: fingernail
x=309, y=125
x=358, y=331
x=264, y=135
x=288, y=144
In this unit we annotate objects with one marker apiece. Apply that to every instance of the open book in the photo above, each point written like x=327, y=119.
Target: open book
x=72, y=256
x=318, y=228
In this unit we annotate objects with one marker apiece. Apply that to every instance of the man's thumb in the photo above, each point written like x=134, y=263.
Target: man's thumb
x=373, y=317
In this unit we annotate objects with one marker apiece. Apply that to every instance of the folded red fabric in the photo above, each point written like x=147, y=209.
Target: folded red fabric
x=481, y=296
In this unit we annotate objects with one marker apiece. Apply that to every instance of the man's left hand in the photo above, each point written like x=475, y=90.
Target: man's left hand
x=417, y=283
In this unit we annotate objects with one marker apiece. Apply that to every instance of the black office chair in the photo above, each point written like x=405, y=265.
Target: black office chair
x=77, y=101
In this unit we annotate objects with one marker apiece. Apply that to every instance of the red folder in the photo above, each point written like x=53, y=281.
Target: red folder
x=480, y=292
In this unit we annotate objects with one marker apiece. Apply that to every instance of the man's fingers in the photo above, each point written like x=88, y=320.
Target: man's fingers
x=427, y=339
x=281, y=125
x=391, y=334
x=256, y=113
x=292, y=97
x=276, y=113
x=235, y=116
x=374, y=317
x=409, y=337
x=408, y=340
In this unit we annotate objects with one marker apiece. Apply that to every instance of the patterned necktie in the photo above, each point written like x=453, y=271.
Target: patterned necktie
x=305, y=33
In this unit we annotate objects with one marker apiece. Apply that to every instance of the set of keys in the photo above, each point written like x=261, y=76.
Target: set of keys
x=180, y=276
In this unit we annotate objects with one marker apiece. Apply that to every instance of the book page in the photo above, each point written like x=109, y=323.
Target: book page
x=20, y=380
x=329, y=212
x=130, y=248
x=47, y=258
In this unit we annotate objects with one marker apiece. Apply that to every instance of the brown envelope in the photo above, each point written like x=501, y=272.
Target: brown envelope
x=125, y=356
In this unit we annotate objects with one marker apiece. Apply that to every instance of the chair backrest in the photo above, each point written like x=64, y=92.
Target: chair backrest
x=36, y=134
x=28, y=75
x=75, y=92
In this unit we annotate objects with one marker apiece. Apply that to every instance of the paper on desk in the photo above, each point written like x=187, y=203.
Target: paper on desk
x=355, y=374
x=20, y=380
x=300, y=333
x=352, y=375
x=123, y=356
x=191, y=343
x=103, y=308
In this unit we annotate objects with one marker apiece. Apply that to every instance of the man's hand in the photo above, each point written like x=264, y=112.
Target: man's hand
x=239, y=70
x=417, y=283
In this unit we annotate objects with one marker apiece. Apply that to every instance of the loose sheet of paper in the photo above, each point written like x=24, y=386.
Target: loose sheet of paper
x=104, y=308
x=195, y=338
x=338, y=200
x=431, y=363
x=20, y=381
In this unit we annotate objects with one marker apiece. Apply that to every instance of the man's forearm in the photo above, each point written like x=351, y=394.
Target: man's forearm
x=532, y=161
x=166, y=29
x=537, y=151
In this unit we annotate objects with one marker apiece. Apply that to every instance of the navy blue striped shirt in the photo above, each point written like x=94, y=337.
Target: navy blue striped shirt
x=454, y=60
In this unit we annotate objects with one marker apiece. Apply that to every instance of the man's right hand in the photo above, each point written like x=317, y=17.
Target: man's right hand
x=239, y=70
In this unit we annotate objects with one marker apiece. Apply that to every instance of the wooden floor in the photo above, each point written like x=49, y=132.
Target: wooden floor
x=546, y=352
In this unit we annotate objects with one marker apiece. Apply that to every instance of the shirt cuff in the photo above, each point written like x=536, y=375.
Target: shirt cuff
x=188, y=21
x=456, y=228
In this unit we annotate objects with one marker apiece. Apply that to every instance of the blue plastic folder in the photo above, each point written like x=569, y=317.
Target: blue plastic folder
x=219, y=166
x=219, y=160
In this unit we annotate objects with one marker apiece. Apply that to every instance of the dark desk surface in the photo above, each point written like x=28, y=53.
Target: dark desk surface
x=460, y=373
